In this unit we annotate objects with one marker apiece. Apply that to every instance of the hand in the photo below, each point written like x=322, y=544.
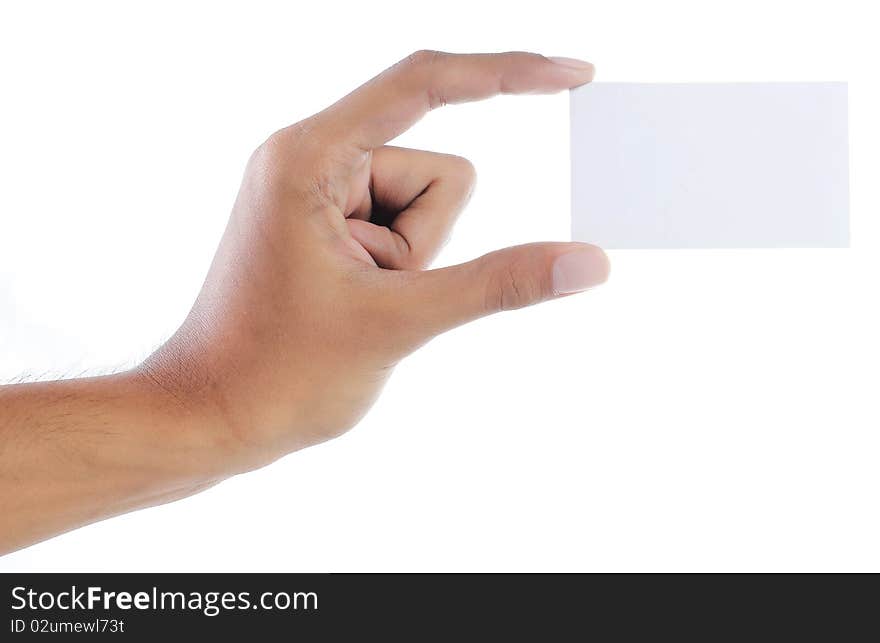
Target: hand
x=319, y=285
x=316, y=292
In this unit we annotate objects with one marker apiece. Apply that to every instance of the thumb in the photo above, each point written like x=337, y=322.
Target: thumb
x=503, y=280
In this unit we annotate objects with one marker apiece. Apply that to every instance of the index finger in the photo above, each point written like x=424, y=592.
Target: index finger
x=393, y=101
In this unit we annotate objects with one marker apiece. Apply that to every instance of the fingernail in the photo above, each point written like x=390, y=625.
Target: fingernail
x=579, y=270
x=574, y=63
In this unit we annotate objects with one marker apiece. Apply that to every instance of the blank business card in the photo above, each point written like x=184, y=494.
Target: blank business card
x=710, y=165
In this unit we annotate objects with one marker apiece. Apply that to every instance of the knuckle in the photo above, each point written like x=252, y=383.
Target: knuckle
x=463, y=171
x=423, y=57
x=526, y=56
x=511, y=287
x=298, y=138
x=461, y=177
x=267, y=153
x=265, y=161
x=422, y=64
x=411, y=257
x=530, y=55
x=460, y=166
x=297, y=147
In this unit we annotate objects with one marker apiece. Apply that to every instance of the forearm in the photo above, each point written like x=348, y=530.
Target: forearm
x=76, y=451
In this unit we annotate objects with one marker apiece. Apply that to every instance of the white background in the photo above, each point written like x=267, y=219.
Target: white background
x=705, y=410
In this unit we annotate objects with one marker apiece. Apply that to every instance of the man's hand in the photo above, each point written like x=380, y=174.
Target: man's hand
x=317, y=290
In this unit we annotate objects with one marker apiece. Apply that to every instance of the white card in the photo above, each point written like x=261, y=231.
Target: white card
x=710, y=165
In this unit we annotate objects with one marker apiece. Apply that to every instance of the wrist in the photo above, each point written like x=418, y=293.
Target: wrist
x=190, y=417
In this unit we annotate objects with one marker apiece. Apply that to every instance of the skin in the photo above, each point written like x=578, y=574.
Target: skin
x=318, y=289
